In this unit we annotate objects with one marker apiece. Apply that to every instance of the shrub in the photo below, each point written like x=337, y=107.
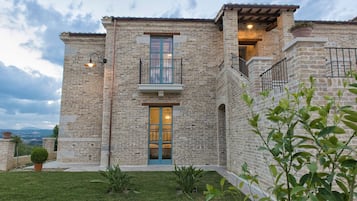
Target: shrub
x=188, y=178
x=309, y=140
x=39, y=155
x=117, y=180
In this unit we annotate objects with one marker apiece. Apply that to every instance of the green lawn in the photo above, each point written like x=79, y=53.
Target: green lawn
x=65, y=186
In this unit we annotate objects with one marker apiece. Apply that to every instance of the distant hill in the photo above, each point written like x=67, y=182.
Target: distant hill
x=31, y=136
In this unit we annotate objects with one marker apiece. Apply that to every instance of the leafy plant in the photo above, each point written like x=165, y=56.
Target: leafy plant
x=300, y=25
x=188, y=177
x=17, y=140
x=312, y=141
x=223, y=192
x=39, y=155
x=55, y=135
x=117, y=180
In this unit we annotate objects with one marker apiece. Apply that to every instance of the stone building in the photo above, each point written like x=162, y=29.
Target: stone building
x=168, y=91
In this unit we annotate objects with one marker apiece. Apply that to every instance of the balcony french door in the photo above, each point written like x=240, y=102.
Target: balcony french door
x=161, y=60
x=160, y=135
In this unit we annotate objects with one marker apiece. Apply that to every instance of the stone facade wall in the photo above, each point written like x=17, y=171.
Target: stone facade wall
x=338, y=34
x=200, y=46
x=305, y=57
x=80, y=126
x=7, y=150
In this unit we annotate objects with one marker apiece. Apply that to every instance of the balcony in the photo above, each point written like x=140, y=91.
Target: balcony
x=341, y=61
x=160, y=76
x=275, y=77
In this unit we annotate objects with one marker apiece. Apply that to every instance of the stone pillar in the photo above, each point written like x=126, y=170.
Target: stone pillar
x=256, y=66
x=230, y=36
x=107, y=88
x=305, y=57
x=7, y=151
x=285, y=21
x=49, y=145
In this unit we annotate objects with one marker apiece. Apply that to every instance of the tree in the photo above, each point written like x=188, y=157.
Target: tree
x=17, y=140
x=55, y=134
x=309, y=140
x=309, y=144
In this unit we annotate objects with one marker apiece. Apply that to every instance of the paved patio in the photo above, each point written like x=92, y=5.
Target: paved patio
x=76, y=167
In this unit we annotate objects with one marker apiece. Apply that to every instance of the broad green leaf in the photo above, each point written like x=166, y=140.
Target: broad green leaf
x=350, y=125
x=352, y=90
x=284, y=103
x=304, y=178
x=297, y=189
x=241, y=185
x=247, y=99
x=312, y=167
x=327, y=130
x=273, y=170
x=312, y=197
x=316, y=123
x=308, y=146
x=353, y=85
x=262, y=148
x=352, y=118
x=338, y=130
x=349, y=163
x=342, y=186
x=333, y=140
x=223, y=180
x=348, y=110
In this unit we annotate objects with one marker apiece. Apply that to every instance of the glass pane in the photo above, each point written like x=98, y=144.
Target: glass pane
x=155, y=45
x=167, y=115
x=167, y=45
x=154, y=75
x=167, y=61
x=166, y=133
x=154, y=133
x=155, y=60
x=154, y=115
x=154, y=151
x=166, y=151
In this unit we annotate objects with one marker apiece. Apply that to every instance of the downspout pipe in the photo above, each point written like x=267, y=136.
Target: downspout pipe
x=112, y=93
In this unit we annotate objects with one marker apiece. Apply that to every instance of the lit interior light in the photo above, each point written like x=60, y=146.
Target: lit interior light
x=249, y=26
x=167, y=117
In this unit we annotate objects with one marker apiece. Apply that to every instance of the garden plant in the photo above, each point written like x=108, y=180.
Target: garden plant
x=310, y=144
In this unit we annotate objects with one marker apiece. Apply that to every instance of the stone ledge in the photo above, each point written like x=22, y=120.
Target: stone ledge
x=79, y=139
x=304, y=39
x=259, y=59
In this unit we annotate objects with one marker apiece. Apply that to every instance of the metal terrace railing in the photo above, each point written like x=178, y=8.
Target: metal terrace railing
x=275, y=77
x=341, y=61
x=239, y=65
x=160, y=71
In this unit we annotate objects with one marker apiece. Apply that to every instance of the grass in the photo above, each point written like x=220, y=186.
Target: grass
x=152, y=186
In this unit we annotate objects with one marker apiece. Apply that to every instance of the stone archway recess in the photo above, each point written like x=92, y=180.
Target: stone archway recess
x=222, y=145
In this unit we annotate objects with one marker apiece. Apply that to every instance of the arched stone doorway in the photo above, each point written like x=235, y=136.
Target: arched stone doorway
x=222, y=145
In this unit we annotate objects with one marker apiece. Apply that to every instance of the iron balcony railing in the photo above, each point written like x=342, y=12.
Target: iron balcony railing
x=275, y=77
x=341, y=61
x=160, y=71
x=239, y=64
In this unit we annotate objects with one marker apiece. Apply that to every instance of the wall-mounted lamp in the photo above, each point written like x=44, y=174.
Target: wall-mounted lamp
x=100, y=59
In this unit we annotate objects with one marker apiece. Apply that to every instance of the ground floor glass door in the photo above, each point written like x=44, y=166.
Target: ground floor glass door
x=160, y=135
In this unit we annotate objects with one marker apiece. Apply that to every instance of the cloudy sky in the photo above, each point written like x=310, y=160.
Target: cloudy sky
x=31, y=57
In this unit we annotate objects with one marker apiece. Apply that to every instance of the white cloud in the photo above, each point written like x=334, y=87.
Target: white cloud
x=22, y=120
x=23, y=43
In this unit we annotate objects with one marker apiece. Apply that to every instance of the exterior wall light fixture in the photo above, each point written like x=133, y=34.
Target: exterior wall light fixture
x=250, y=26
x=100, y=59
